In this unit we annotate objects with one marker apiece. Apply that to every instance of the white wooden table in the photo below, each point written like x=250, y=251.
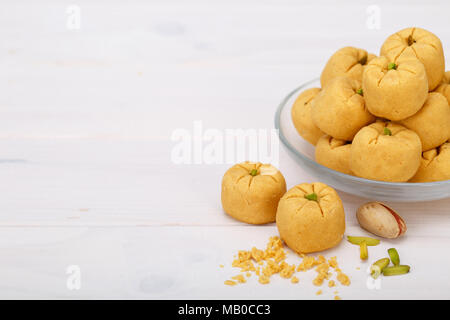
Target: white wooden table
x=86, y=117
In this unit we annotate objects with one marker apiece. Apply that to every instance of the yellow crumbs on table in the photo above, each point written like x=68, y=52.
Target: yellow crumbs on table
x=239, y=278
x=263, y=279
x=266, y=263
x=343, y=279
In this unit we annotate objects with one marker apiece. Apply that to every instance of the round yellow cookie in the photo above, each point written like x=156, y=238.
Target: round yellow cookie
x=394, y=90
x=435, y=165
x=386, y=152
x=419, y=43
x=301, y=116
x=432, y=122
x=347, y=61
x=334, y=154
x=310, y=218
x=444, y=87
x=339, y=110
x=251, y=191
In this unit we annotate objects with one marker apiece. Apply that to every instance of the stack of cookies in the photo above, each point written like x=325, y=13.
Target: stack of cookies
x=382, y=118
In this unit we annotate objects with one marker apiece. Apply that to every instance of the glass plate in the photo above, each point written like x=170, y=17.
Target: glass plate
x=303, y=153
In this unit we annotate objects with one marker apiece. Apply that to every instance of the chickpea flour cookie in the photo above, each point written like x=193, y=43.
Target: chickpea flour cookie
x=419, y=43
x=432, y=122
x=444, y=87
x=435, y=165
x=385, y=151
x=339, y=109
x=310, y=218
x=301, y=116
x=334, y=154
x=394, y=90
x=347, y=61
x=251, y=191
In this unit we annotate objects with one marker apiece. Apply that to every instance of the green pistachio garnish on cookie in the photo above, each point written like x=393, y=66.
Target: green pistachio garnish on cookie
x=387, y=132
x=311, y=196
x=392, y=66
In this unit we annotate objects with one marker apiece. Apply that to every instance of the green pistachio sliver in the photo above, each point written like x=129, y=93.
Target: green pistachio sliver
x=359, y=91
x=387, y=132
x=254, y=172
x=358, y=240
x=378, y=267
x=396, y=270
x=395, y=258
x=363, y=253
x=311, y=196
x=391, y=66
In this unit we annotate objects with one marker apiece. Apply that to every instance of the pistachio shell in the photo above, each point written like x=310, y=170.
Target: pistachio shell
x=380, y=220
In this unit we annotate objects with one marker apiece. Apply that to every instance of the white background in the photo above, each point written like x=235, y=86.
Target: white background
x=86, y=118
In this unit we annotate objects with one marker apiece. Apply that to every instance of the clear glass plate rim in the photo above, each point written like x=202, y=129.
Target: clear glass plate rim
x=333, y=172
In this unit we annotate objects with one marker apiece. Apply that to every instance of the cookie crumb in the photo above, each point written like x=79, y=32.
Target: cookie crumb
x=272, y=260
x=263, y=279
x=343, y=279
x=239, y=278
x=332, y=262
